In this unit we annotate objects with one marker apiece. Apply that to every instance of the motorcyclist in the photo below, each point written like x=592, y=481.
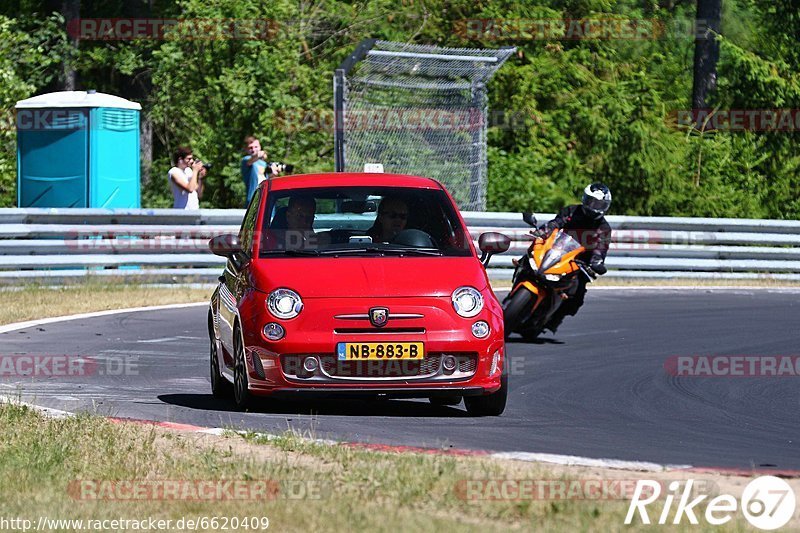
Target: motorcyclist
x=587, y=224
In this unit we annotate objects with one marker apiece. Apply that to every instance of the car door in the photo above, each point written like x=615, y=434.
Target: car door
x=235, y=279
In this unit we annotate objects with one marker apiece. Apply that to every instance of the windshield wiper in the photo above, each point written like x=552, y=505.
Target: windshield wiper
x=355, y=251
x=413, y=251
x=382, y=251
x=290, y=252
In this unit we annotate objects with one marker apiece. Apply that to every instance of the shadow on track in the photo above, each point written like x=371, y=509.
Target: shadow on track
x=385, y=407
x=537, y=340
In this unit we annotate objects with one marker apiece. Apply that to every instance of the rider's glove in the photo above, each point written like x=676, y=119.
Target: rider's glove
x=598, y=266
x=538, y=233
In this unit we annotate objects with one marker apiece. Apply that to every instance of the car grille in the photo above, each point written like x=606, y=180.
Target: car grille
x=429, y=366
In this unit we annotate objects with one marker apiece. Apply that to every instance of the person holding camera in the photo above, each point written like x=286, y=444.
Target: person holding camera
x=255, y=167
x=185, y=179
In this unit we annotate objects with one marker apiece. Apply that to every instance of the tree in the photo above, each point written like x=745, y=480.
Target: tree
x=706, y=50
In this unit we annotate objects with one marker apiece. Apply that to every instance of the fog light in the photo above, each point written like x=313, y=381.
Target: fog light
x=274, y=331
x=449, y=364
x=495, y=363
x=310, y=364
x=480, y=329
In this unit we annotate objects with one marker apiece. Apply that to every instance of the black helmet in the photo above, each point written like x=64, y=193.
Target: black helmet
x=596, y=200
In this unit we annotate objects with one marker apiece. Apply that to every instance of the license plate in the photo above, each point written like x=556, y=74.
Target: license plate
x=360, y=351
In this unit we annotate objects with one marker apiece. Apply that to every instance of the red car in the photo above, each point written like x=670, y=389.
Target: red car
x=367, y=285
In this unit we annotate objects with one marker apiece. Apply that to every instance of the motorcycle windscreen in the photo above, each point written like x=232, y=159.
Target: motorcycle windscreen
x=563, y=244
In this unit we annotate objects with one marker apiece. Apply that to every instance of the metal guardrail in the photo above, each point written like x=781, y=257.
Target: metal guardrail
x=171, y=245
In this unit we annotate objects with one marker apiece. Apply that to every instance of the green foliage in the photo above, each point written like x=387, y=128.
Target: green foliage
x=31, y=50
x=573, y=111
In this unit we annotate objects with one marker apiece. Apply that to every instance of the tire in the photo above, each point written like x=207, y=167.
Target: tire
x=445, y=400
x=241, y=394
x=515, y=311
x=491, y=404
x=531, y=335
x=221, y=388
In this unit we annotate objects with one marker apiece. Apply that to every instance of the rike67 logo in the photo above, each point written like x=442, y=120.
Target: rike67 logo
x=767, y=502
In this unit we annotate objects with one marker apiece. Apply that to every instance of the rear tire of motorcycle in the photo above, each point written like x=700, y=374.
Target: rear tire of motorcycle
x=515, y=311
x=532, y=335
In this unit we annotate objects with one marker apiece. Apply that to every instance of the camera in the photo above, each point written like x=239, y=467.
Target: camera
x=206, y=166
x=280, y=167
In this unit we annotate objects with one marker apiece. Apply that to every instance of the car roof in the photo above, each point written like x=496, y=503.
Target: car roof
x=351, y=179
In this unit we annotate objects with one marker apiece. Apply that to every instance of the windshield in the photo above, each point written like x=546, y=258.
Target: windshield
x=564, y=243
x=379, y=221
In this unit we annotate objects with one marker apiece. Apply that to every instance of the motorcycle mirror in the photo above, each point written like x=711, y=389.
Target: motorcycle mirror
x=491, y=243
x=529, y=219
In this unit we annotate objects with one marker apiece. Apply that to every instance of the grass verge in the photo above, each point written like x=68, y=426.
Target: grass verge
x=32, y=302
x=317, y=487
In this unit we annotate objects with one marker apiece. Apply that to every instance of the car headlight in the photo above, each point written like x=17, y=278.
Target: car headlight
x=284, y=303
x=467, y=301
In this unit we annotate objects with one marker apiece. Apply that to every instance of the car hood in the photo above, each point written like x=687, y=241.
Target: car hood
x=358, y=277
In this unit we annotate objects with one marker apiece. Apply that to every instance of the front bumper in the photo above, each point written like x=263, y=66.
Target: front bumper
x=275, y=367
x=373, y=392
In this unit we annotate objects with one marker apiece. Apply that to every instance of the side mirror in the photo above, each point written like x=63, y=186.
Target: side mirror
x=225, y=245
x=491, y=243
x=529, y=219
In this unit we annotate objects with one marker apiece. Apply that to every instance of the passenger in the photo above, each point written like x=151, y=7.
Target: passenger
x=391, y=220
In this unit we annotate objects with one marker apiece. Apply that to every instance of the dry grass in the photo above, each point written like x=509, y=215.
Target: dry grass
x=33, y=302
x=342, y=488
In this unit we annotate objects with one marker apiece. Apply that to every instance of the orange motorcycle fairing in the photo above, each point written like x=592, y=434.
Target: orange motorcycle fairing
x=530, y=286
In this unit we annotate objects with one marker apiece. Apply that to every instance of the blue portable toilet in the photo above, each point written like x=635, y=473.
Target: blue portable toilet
x=78, y=149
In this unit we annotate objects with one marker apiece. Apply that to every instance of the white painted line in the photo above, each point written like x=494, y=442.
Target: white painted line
x=694, y=288
x=697, y=288
x=567, y=460
x=43, y=321
x=572, y=460
x=169, y=339
x=213, y=431
x=46, y=411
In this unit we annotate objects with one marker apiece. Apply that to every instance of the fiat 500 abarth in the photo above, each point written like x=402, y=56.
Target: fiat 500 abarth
x=357, y=285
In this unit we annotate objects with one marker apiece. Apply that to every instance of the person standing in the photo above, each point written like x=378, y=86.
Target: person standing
x=184, y=179
x=254, y=165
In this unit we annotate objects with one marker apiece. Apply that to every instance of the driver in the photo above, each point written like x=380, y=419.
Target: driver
x=299, y=222
x=391, y=220
x=586, y=222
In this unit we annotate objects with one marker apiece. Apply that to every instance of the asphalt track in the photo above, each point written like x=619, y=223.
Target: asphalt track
x=596, y=389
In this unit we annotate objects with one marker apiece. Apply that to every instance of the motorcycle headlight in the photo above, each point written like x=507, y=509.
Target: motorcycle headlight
x=284, y=303
x=552, y=277
x=467, y=301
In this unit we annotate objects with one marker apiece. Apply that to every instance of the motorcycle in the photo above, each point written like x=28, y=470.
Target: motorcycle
x=543, y=280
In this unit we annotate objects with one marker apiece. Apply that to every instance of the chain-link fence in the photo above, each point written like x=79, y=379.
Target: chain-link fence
x=417, y=109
